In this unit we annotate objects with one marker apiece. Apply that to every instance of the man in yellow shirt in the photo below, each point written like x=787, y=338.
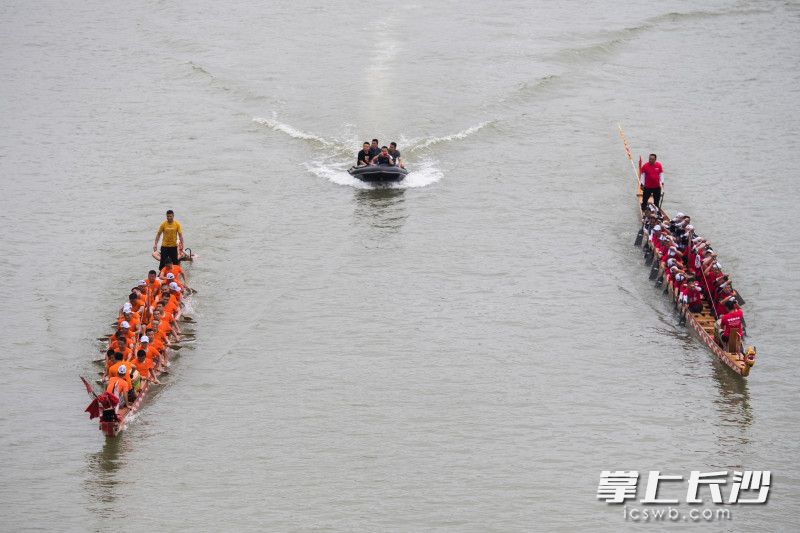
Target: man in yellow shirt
x=172, y=231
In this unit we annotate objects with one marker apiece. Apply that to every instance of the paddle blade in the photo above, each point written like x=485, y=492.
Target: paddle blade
x=739, y=298
x=639, y=236
x=653, y=271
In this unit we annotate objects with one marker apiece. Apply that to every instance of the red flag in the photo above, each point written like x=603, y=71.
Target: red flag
x=104, y=401
x=89, y=388
x=93, y=409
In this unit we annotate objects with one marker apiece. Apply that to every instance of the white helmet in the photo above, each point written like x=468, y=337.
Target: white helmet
x=122, y=370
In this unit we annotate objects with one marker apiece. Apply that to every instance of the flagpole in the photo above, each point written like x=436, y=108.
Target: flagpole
x=630, y=157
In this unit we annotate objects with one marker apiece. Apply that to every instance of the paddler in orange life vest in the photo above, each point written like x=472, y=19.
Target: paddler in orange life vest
x=153, y=285
x=170, y=279
x=730, y=321
x=129, y=316
x=151, y=352
x=121, y=341
x=172, y=268
x=652, y=180
x=120, y=384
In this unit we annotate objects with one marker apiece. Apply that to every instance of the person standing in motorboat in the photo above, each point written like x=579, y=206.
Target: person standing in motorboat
x=395, y=153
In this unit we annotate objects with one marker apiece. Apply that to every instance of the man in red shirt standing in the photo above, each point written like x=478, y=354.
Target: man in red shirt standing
x=651, y=181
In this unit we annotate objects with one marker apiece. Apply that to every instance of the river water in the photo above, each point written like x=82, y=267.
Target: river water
x=464, y=352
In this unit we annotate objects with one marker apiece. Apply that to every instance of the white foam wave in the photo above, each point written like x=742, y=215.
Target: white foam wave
x=425, y=143
x=423, y=173
x=334, y=173
x=291, y=131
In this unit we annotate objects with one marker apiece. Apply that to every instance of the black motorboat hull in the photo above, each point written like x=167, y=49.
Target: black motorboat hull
x=378, y=173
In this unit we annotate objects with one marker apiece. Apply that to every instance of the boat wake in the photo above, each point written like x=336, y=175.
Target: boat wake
x=295, y=133
x=337, y=155
x=420, y=144
x=609, y=42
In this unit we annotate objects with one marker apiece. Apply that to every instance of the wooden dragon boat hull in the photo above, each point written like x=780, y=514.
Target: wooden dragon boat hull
x=702, y=323
x=113, y=421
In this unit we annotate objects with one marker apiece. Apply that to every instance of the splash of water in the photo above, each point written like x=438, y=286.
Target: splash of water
x=424, y=172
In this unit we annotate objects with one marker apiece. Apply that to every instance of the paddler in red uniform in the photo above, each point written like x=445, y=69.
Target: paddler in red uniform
x=730, y=321
x=652, y=180
x=695, y=297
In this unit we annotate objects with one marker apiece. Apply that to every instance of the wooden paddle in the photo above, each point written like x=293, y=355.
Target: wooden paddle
x=653, y=271
x=682, y=321
x=636, y=177
x=639, y=236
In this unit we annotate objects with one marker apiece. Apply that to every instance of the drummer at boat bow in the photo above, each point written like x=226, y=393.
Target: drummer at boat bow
x=172, y=232
x=652, y=181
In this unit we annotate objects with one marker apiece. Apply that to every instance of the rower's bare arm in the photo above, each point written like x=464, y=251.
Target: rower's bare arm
x=155, y=243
